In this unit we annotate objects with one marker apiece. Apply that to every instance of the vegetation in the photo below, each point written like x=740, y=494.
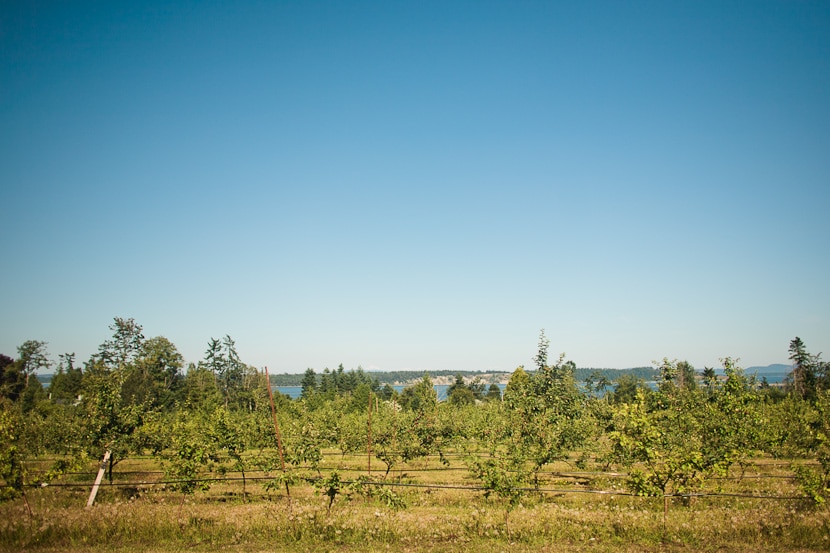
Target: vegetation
x=200, y=458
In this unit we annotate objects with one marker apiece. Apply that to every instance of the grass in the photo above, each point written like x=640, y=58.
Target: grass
x=133, y=518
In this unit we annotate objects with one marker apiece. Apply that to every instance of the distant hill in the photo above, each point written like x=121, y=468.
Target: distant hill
x=769, y=369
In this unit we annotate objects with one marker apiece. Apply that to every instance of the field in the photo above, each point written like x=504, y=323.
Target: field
x=423, y=506
x=701, y=463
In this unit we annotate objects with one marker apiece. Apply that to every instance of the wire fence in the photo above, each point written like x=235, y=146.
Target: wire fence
x=125, y=480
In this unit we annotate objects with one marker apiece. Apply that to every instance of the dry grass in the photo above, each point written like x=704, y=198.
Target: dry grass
x=128, y=519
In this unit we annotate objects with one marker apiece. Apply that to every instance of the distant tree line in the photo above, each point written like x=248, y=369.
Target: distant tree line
x=670, y=432
x=404, y=377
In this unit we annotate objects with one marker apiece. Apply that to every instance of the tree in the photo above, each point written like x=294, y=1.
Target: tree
x=327, y=382
x=814, y=480
x=541, y=358
x=387, y=393
x=493, y=393
x=199, y=389
x=213, y=357
x=662, y=447
x=125, y=345
x=668, y=375
x=32, y=395
x=673, y=439
x=803, y=378
x=710, y=378
x=476, y=386
x=686, y=376
x=517, y=387
x=32, y=356
x=66, y=383
x=12, y=382
x=627, y=388
x=420, y=396
x=309, y=383
x=12, y=467
x=190, y=454
x=232, y=370
x=109, y=423
x=111, y=415
x=459, y=393
x=222, y=359
x=544, y=411
x=155, y=377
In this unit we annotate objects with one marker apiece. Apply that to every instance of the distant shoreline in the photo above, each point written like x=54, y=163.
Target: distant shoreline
x=446, y=377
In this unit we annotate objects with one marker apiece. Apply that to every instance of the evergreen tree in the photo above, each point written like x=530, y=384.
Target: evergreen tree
x=32, y=356
x=459, y=393
x=802, y=379
x=309, y=384
x=12, y=381
x=66, y=383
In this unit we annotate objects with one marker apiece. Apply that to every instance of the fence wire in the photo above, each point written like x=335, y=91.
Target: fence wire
x=542, y=490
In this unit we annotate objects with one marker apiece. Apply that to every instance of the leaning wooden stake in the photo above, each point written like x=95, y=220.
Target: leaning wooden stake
x=276, y=428
x=98, y=479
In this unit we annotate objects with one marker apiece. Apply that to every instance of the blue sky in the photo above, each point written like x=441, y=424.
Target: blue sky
x=419, y=185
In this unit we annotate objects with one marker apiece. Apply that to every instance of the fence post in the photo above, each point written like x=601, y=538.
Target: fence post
x=98, y=479
x=369, y=425
x=276, y=427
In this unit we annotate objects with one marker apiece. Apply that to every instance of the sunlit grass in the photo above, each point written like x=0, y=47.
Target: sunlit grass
x=137, y=517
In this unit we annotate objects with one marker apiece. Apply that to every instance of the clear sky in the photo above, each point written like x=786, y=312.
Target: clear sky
x=418, y=185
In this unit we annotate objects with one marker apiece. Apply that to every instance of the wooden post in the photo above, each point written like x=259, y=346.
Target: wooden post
x=369, y=424
x=276, y=427
x=98, y=479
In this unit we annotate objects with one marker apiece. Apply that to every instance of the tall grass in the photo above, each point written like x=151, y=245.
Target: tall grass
x=129, y=519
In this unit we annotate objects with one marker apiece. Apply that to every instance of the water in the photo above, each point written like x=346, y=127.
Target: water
x=440, y=389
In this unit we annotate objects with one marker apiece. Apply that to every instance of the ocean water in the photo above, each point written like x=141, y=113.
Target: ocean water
x=294, y=391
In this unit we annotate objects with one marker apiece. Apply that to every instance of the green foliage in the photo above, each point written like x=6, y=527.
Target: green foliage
x=504, y=476
x=809, y=375
x=309, y=383
x=16, y=382
x=815, y=479
x=155, y=377
x=363, y=486
x=661, y=446
x=501, y=470
x=463, y=393
x=222, y=359
x=66, y=383
x=401, y=437
x=303, y=443
x=545, y=413
x=191, y=453
x=12, y=468
x=201, y=424
x=518, y=388
x=12, y=379
x=330, y=486
x=627, y=388
x=420, y=397
x=32, y=356
x=672, y=440
x=200, y=390
x=541, y=358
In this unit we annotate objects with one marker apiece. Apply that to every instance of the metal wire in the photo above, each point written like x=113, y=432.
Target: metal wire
x=420, y=486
